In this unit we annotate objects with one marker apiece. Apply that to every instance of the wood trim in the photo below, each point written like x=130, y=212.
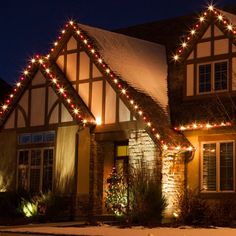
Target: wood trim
x=29, y=107
x=46, y=104
x=103, y=101
x=117, y=109
x=50, y=112
x=19, y=108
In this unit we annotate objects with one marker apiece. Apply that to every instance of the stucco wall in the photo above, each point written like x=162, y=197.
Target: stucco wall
x=8, y=160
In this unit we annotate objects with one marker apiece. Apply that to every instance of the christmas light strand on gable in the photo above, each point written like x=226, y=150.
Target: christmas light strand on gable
x=120, y=86
x=56, y=84
x=117, y=83
x=188, y=39
x=197, y=126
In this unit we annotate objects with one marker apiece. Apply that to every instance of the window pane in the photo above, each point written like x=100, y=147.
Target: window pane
x=35, y=180
x=226, y=166
x=35, y=157
x=24, y=139
x=122, y=151
x=205, y=78
x=47, y=169
x=49, y=136
x=23, y=157
x=37, y=138
x=221, y=76
x=209, y=167
x=23, y=178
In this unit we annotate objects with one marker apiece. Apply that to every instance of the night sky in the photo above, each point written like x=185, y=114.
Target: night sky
x=30, y=27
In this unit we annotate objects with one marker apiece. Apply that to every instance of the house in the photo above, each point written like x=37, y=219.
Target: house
x=101, y=98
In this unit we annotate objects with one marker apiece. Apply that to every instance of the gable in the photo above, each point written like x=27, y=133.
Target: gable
x=39, y=105
x=36, y=102
x=96, y=92
x=209, y=36
x=209, y=43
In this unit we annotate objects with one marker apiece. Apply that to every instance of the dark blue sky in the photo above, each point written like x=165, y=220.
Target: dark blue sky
x=29, y=27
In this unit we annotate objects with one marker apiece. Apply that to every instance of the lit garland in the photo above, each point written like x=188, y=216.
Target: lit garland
x=196, y=126
x=118, y=84
x=56, y=84
x=228, y=26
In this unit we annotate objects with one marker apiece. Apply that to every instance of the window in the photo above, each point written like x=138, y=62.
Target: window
x=40, y=137
x=213, y=77
x=218, y=166
x=121, y=158
x=35, y=169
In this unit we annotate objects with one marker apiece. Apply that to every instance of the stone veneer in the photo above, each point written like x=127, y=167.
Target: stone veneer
x=143, y=149
x=173, y=180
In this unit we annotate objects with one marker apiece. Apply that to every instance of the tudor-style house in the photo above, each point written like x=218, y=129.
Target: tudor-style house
x=102, y=98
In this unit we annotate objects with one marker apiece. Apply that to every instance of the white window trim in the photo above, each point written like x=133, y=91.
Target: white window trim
x=212, y=63
x=217, y=142
x=29, y=166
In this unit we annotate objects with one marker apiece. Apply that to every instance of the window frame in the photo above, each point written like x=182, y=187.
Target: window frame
x=29, y=167
x=217, y=142
x=213, y=90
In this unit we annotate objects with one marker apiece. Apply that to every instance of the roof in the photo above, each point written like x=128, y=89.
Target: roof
x=141, y=67
x=142, y=64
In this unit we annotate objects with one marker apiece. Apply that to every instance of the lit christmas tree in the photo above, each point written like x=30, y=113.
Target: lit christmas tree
x=116, y=198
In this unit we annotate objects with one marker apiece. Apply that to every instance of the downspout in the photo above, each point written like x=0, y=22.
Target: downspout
x=189, y=155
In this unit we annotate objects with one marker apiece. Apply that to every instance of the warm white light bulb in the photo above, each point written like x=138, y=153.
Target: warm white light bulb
x=176, y=57
x=98, y=121
x=211, y=8
x=4, y=107
x=220, y=17
x=123, y=91
x=76, y=111
x=230, y=27
x=54, y=81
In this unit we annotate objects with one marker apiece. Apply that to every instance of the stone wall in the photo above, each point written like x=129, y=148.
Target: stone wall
x=173, y=180
x=144, y=152
x=96, y=176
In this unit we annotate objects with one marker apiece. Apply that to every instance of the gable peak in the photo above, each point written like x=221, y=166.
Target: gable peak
x=225, y=21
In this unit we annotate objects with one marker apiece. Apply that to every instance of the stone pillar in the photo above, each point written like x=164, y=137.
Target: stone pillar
x=142, y=150
x=96, y=176
x=173, y=180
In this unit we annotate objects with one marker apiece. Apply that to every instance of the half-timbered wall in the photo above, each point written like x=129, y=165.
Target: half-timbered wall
x=214, y=47
x=38, y=106
x=90, y=84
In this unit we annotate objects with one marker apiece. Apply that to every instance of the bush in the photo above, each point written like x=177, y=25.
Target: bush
x=44, y=207
x=193, y=210
x=147, y=202
x=197, y=211
x=9, y=204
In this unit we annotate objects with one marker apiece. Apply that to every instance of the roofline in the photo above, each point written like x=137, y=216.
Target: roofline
x=74, y=104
